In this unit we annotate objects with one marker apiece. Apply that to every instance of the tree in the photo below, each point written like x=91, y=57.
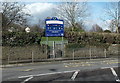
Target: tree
x=15, y=28
x=111, y=11
x=112, y=26
x=96, y=28
x=36, y=28
x=73, y=13
x=77, y=29
x=12, y=12
x=0, y=21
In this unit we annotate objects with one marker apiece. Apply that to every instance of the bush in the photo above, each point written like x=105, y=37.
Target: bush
x=71, y=29
x=107, y=31
x=74, y=45
x=20, y=38
x=92, y=38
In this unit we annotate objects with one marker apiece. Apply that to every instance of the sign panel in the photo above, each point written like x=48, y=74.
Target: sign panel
x=54, y=27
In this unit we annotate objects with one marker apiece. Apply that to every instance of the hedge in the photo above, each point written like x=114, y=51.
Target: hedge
x=20, y=38
x=92, y=38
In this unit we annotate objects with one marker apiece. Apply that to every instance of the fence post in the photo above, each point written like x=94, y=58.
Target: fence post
x=105, y=53
x=47, y=46
x=32, y=56
x=64, y=50
x=8, y=58
x=53, y=49
x=90, y=52
x=73, y=54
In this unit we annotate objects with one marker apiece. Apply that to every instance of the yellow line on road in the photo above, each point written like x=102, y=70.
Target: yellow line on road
x=109, y=62
x=77, y=65
x=66, y=66
x=26, y=69
x=18, y=69
x=114, y=62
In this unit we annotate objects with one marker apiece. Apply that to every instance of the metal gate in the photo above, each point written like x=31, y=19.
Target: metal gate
x=56, y=49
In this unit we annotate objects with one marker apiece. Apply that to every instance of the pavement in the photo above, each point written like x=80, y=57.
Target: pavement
x=105, y=69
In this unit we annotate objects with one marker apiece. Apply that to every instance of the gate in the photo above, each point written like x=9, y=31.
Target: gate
x=56, y=49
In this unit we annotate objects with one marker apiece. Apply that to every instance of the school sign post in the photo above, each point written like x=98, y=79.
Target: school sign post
x=54, y=27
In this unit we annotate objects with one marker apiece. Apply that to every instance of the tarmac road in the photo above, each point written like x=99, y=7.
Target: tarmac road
x=91, y=75
x=86, y=70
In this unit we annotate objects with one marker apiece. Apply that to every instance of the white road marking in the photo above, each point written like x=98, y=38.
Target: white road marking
x=108, y=67
x=115, y=74
x=27, y=79
x=74, y=75
x=117, y=80
x=46, y=74
x=113, y=71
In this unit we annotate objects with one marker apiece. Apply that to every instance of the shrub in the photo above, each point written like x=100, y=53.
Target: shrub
x=74, y=46
x=92, y=38
x=20, y=38
x=107, y=31
x=71, y=29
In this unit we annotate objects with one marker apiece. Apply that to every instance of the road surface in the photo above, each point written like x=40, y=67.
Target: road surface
x=78, y=70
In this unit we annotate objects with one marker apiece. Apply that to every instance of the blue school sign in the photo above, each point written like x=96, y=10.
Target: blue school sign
x=54, y=27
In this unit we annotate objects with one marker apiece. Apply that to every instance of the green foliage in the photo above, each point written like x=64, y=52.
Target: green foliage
x=92, y=38
x=52, y=39
x=20, y=38
x=107, y=31
x=74, y=45
x=36, y=28
x=85, y=38
x=74, y=29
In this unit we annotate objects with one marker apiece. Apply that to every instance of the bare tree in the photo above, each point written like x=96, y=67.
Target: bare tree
x=36, y=28
x=112, y=26
x=0, y=21
x=96, y=28
x=111, y=11
x=12, y=12
x=73, y=12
